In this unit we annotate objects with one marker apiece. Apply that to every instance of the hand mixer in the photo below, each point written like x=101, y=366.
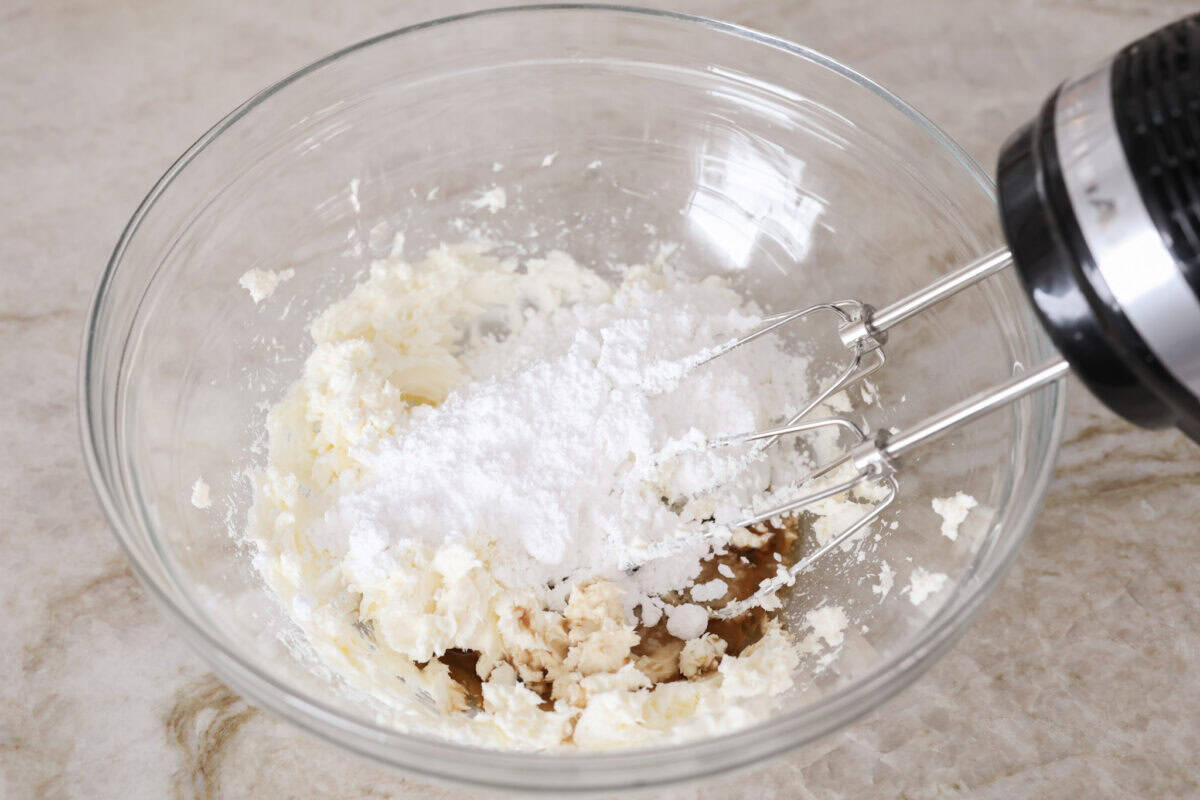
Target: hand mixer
x=1100, y=207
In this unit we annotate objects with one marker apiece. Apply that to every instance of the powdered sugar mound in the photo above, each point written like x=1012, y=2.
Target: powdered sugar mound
x=598, y=409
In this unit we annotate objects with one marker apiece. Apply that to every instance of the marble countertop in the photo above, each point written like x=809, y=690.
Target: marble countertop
x=1081, y=678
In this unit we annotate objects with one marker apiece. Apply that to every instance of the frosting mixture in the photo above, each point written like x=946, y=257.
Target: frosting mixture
x=492, y=503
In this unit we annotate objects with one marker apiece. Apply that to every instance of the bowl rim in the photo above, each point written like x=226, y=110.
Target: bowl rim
x=508, y=769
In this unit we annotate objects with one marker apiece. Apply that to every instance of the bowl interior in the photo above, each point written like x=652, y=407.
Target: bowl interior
x=613, y=135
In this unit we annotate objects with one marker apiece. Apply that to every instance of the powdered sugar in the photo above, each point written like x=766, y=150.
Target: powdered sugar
x=887, y=579
x=599, y=409
x=686, y=621
x=709, y=591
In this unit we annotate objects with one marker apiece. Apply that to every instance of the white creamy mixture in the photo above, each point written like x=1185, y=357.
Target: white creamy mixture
x=923, y=583
x=953, y=511
x=262, y=283
x=490, y=504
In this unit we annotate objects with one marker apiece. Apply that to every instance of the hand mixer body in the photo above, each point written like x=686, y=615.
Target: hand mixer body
x=1100, y=203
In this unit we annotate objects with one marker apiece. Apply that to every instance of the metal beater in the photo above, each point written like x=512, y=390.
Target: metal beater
x=1100, y=206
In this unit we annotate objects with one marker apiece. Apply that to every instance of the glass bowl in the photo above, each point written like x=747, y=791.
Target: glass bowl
x=614, y=132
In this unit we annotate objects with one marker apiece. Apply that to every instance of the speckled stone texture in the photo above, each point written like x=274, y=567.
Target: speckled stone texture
x=1080, y=679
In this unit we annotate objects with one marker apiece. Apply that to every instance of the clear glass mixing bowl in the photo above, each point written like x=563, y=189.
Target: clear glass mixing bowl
x=612, y=131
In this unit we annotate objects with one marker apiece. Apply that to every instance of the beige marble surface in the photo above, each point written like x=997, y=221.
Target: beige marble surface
x=1080, y=679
